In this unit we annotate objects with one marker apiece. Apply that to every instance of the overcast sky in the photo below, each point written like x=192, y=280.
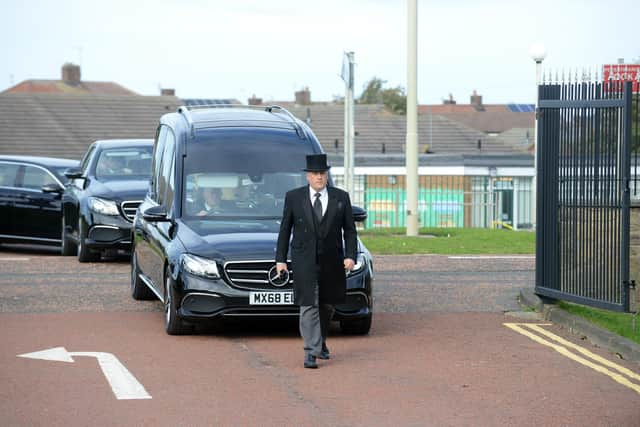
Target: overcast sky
x=271, y=48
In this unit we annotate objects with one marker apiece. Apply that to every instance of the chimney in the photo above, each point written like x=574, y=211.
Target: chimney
x=449, y=101
x=71, y=73
x=303, y=97
x=476, y=101
x=168, y=92
x=254, y=101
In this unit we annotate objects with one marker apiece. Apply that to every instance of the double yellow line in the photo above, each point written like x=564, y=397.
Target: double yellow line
x=618, y=373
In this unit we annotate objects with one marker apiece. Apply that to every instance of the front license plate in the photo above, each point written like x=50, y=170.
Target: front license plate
x=271, y=298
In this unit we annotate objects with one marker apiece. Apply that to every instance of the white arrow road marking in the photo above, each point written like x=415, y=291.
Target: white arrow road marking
x=123, y=383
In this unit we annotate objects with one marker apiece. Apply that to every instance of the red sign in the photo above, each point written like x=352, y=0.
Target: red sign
x=622, y=73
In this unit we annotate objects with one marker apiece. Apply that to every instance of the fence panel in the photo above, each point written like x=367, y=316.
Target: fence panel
x=584, y=152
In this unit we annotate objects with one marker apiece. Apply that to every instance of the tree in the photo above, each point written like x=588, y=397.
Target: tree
x=394, y=99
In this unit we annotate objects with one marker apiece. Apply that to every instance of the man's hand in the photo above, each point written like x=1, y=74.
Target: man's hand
x=348, y=264
x=280, y=267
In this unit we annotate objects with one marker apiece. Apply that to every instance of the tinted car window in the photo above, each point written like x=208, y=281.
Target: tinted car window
x=167, y=162
x=124, y=163
x=170, y=186
x=85, y=160
x=34, y=178
x=158, y=150
x=226, y=170
x=8, y=173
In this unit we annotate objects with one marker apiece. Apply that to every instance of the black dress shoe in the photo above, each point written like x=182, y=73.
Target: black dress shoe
x=324, y=354
x=310, y=361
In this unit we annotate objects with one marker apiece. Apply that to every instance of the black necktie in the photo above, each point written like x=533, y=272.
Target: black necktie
x=317, y=206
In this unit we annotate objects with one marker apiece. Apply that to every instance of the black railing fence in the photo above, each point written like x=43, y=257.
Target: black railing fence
x=588, y=139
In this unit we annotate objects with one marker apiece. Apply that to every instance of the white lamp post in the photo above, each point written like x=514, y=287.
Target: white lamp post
x=537, y=52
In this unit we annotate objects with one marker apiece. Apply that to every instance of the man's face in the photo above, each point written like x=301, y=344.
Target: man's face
x=317, y=180
x=211, y=196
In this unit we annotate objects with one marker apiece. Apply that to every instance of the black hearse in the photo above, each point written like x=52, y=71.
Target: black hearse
x=205, y=235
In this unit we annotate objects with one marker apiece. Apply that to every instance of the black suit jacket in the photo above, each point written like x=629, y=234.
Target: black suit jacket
x=318, y=248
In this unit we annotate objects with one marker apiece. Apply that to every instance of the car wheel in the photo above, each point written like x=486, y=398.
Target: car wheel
x=356, y=327
x=172, y=323
x=139, y=291
x=67, y=247
x=84, y=254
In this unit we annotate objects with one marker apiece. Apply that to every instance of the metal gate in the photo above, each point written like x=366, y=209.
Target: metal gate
x=583, y=173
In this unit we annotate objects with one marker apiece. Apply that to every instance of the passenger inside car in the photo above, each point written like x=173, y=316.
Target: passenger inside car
x=111, y=165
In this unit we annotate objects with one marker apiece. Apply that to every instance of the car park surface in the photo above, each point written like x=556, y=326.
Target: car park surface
x=438, y=354
x=102, y=196
x=30, y=198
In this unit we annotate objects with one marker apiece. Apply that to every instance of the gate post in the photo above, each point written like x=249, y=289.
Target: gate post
x=547, y=251
x=625, y=176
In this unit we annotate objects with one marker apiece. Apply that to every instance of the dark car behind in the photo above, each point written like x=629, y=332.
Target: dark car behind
x=101, y=199
x=30, y=198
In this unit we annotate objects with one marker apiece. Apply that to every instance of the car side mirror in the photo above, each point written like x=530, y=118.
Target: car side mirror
x=54, y=187
x=156, y=214
x=73, y=173
x=359, y=214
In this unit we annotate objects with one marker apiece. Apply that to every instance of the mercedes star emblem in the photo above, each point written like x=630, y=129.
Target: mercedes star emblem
x=277, y=280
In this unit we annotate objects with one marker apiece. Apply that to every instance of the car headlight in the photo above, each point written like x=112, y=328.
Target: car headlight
x=103, y=206
x=200, y=266
x=359, y=265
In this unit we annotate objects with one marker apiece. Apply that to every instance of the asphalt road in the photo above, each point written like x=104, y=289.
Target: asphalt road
x=439, y=354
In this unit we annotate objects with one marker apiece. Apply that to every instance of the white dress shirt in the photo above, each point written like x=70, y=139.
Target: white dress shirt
x=324, y=198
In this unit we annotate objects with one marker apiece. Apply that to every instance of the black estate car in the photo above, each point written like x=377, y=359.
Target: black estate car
x=205, y=235
x=30, y=189
x=101, y=199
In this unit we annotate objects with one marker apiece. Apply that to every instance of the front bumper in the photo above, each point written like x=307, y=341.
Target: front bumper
x=109, y=233
x=207, y=299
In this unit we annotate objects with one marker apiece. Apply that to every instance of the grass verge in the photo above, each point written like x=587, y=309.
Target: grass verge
x=619, y=323
x=448, y=241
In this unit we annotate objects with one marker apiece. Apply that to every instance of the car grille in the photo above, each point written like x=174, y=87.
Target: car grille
x=253, y=275
x=129, y=209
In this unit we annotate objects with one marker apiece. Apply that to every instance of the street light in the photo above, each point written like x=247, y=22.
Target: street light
x=537, y=52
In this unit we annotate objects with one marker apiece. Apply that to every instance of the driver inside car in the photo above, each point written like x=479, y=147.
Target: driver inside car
x=209, y=202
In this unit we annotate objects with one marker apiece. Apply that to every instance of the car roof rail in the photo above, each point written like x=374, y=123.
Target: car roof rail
x=286, y=112
x=186, y=113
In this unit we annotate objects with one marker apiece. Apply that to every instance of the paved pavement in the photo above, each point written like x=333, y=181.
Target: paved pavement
x=439, y=354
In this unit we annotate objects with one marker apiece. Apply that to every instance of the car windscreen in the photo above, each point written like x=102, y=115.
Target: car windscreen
x=124, y=163
x=240, y=174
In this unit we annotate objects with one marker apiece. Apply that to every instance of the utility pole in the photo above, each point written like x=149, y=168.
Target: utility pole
x=411, y=154
x=347, y=76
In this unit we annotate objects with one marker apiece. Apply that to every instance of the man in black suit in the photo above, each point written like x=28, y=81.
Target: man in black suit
x=319, y=217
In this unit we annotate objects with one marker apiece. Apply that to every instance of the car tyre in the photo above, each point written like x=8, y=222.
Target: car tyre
x=84, y=253
x=360, y=326
x=172, y=323
x=139, y=291
x=67, y=247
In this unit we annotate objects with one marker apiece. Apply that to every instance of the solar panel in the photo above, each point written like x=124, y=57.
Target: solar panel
x=521, y=108
x=206, y=101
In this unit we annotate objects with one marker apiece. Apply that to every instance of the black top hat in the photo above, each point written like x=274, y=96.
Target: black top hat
x=317, y=163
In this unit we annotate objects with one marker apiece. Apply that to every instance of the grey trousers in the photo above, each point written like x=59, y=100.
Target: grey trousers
x=314, y=326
